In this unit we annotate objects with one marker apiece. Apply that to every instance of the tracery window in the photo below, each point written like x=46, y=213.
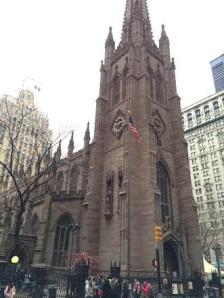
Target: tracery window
x=60, y=180
x=34, y=225
x=124, y=84
x=163, y=183
x=116, y=89
x=151, y=76
x=61, y=241
x=73, y=179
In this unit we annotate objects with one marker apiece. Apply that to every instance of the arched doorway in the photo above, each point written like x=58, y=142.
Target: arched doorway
x=170, y=258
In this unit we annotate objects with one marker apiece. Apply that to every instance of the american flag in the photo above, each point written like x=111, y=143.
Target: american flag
x=133, y=129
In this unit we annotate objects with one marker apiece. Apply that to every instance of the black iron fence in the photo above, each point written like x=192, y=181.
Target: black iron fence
x=54, y=283
x=43, y=282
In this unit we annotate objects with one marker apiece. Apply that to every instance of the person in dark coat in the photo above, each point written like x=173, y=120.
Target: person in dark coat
x=215, y=282
x=198, y=285
x=125, y=291
x=106, y=289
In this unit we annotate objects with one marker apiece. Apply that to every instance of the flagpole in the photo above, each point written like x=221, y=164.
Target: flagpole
x=129, y=203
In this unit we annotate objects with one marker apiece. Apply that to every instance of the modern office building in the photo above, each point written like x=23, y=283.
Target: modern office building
x=21, y=122
x=217, y=66
x=203, y=124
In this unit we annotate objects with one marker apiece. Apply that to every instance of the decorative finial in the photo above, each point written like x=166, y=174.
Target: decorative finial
x=71, y=145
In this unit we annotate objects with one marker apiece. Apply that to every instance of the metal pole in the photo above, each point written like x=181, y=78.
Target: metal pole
x=129, y=207
x=217, y=261
x=71, y=250
x=70, y=228
x=158, y=273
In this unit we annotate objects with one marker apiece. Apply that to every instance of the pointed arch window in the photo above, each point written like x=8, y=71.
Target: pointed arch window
x=124, y=84
x=163, y=182
x=34, y=225
x=116, y=89
x=151, y=76
x=159, y=87
x=61, y=241
x=73, y=179
x=60, y=181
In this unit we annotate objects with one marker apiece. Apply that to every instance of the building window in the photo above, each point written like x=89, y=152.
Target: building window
x=216, y=171
x=215, y=163
x=206, y=111
x=61, y=241
x=60, y=181
x=189, y=118
x=116, y=89
x=34, y=225
x=124, y=83
x=216, y=106
x=73, y=179
x=198, y=116
x=163, y=182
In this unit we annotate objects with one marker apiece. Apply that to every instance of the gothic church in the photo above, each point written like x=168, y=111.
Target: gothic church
x=115, y=188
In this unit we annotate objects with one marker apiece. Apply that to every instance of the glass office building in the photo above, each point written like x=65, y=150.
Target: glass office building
x=217, y=66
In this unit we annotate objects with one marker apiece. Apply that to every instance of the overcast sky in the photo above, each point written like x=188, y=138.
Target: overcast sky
x=60, y=43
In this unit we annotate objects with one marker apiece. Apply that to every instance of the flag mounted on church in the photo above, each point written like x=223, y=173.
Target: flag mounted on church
x=133, y=128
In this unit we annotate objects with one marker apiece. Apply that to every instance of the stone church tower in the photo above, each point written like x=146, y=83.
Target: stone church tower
x=132, y=186
x=115, y=188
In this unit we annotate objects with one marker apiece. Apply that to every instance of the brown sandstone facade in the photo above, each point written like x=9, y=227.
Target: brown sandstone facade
x=115, y=188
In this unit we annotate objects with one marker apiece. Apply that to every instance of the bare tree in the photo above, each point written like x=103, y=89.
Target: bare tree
x=28, y=162
x=208, y=239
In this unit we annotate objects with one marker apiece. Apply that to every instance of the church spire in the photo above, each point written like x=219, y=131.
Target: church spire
x=57, y=154
x=164, y=46
x=71, y=145
x=110, y=39
x=109, y=47
x=87, y=136
x=136, y=25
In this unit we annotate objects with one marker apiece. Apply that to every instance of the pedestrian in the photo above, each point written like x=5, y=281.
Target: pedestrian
x=215, y=283
x=106, y=289
x=116, y=288
x=125, y=289
x=198, y=285
x=10, y=290
x=136, y=289
x=27, y=281
x=130, y=290
x=99, y=287
x=145, y=290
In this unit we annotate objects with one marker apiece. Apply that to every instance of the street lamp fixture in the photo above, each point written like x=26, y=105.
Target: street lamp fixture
x=15, y=260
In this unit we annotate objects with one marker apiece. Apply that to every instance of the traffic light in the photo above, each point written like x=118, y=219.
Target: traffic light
x=158, y=233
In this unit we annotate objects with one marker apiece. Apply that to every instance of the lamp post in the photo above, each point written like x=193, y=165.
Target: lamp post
x=217, y=250
x=158, y=237
x=14, y=260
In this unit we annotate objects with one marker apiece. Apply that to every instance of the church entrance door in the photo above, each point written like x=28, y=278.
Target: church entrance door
x=171, y=258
